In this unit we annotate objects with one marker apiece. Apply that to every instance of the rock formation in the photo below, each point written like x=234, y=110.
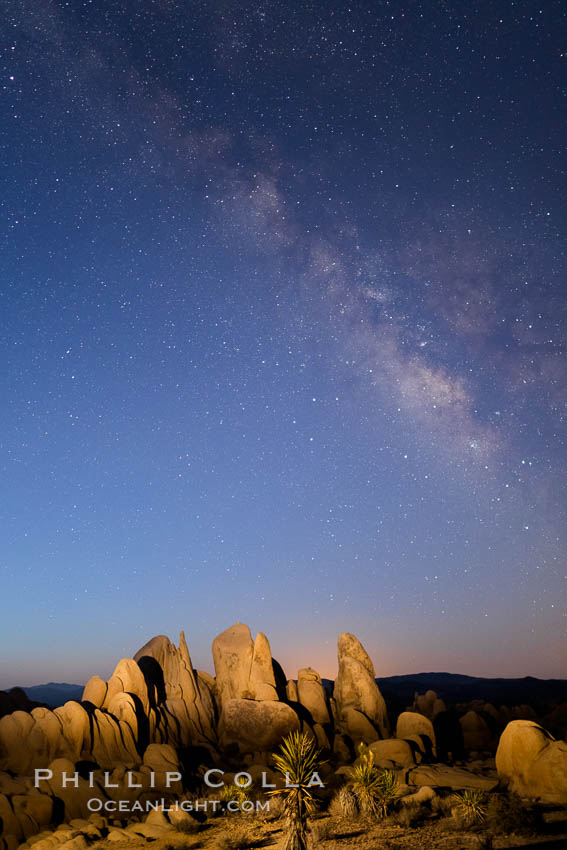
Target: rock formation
x=291, y=691
x=158, y=698
x=428, y=704
x=156, y=715
x=532, y=763
x=311, y=695
x=476, y=732
x=175, y=687
x=262, y=676
x=243, y=667
x=391, y=752
x=29, y=741
x=255, y=725
x=417, y=727
x=155, y=698
x=443, y=776
x=156, y=706
x=360, y=708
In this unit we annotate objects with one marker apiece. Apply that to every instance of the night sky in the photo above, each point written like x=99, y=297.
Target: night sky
x=283, y=332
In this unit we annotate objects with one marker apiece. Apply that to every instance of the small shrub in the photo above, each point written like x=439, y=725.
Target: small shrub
x=277, y=808
x=472, y=805
x=344, y=803
x=506, y=814
x=441, y=805
x=236, y=840
x=410, y=815
x=235, y=791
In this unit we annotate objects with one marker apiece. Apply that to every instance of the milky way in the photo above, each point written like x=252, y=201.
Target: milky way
x=284, y=332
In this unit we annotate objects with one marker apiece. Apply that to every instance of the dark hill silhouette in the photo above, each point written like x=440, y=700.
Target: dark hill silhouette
x=15, y=700
x=54, y=693
x=454, y=688
x=397, y=690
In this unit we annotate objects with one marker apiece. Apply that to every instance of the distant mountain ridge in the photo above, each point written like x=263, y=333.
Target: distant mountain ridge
x=456, y=688
x=451, y=687
x=54, y=694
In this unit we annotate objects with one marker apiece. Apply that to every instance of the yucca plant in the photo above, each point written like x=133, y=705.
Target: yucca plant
x=375, y=790
x=297, y=761
x=472, y=805
x=235, y=791
x=364, y=781
x=387, y=791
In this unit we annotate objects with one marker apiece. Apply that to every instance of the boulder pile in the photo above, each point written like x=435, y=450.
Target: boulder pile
x=157, y=717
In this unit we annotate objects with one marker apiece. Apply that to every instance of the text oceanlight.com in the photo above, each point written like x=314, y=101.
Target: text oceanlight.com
x=95, y=804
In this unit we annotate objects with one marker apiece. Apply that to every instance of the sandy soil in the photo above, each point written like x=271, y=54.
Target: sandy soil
x=331, y=833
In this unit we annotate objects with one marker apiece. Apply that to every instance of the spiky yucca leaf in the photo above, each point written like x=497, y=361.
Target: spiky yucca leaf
x=297, y=761
x=472, y=804
x=386, y=792
x=375, y=789
x=235, y=791
x=364, y=780
x=365, y=773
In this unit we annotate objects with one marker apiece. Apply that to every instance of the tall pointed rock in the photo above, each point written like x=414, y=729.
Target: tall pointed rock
x=361, y=709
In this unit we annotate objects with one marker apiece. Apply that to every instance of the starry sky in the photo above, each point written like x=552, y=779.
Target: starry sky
x=283, y=332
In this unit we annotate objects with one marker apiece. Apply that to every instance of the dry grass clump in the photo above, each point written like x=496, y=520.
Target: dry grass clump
x=344, y=803
x=506, y=814
x=276, y=810
x=410, y=815
x=238, y=839
x=442, y=805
